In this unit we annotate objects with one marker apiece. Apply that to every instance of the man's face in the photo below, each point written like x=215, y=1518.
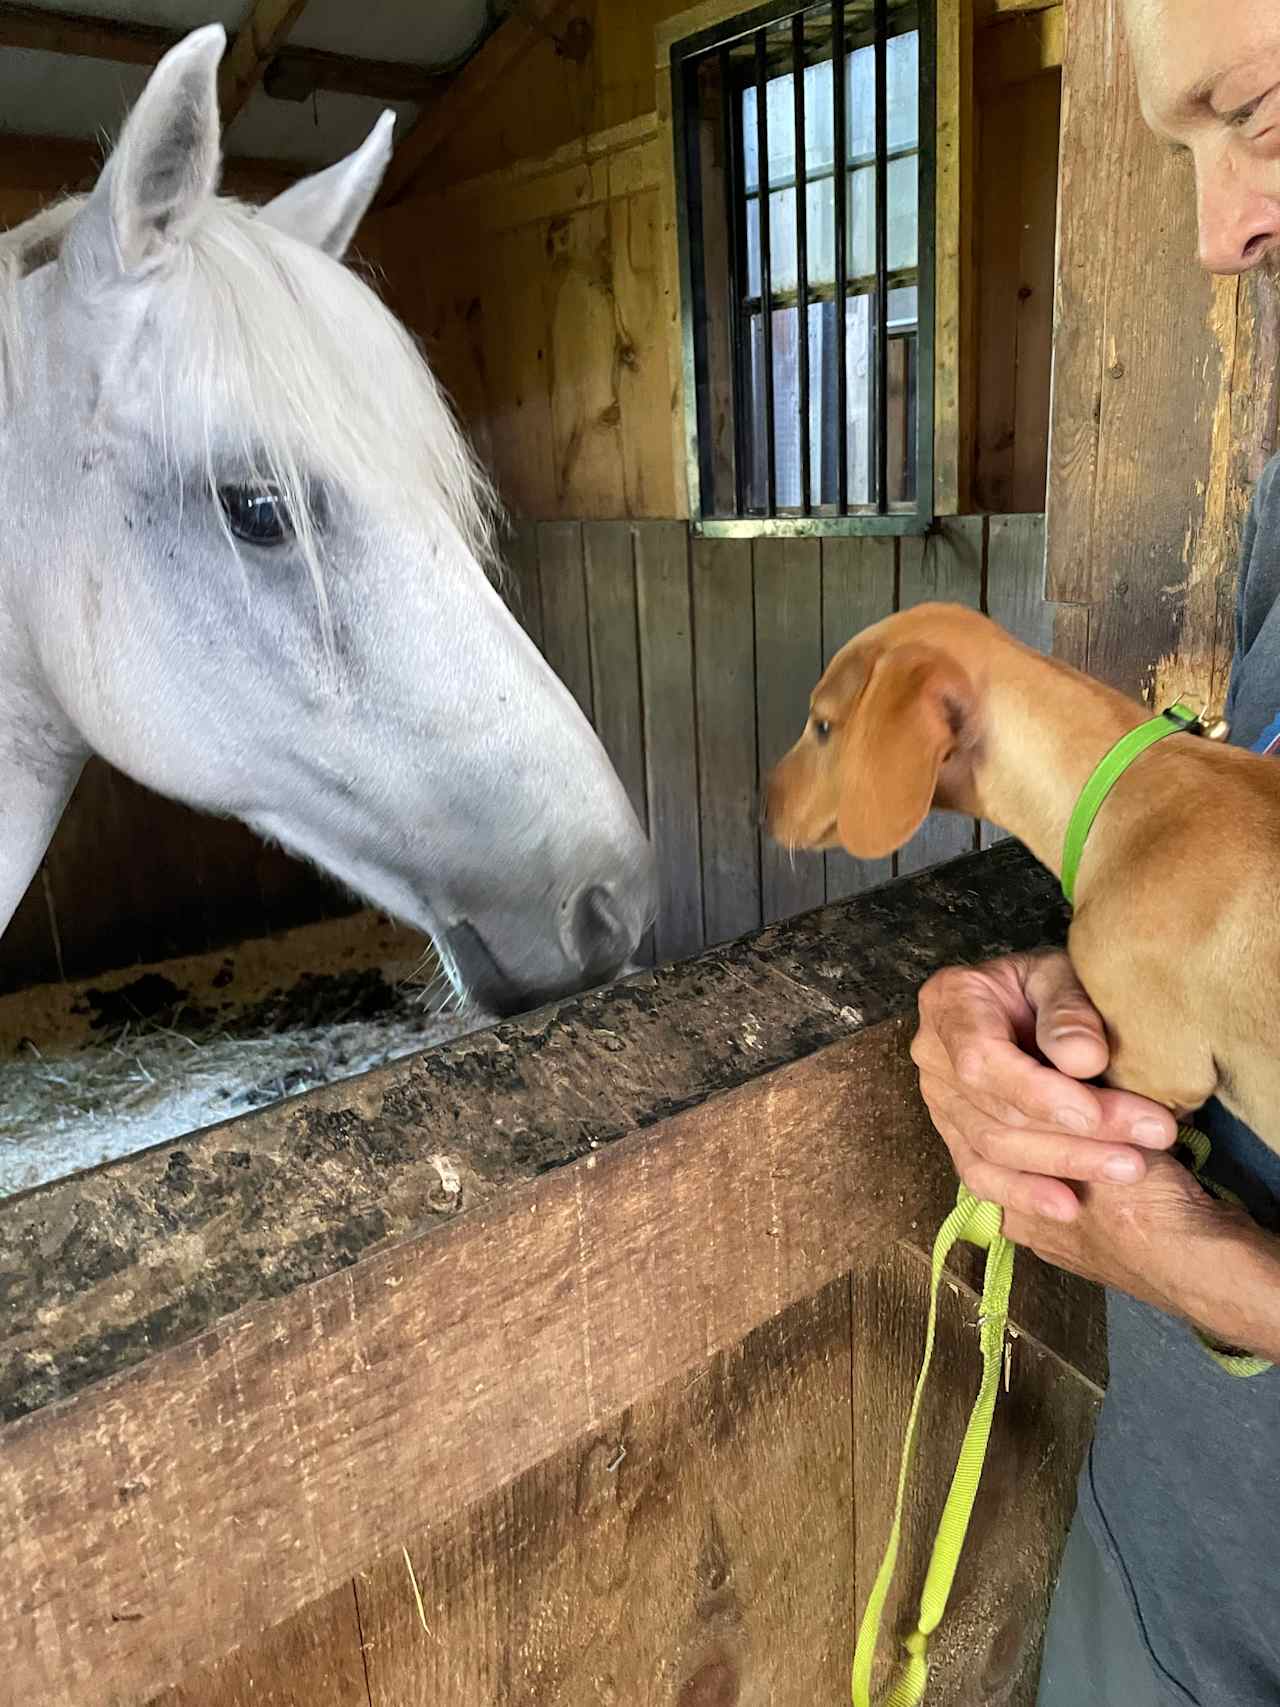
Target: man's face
x=1209, y=83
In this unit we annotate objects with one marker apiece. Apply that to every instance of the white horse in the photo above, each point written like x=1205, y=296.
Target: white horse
x=242, y=557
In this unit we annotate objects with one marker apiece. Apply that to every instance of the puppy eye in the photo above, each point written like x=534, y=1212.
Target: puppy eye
x=822, y=729
x=258, y=515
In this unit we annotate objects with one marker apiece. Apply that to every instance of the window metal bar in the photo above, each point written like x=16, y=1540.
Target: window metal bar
x=766, y=265
x=731, y=122
x=881, y=342
x=839, y=151
x=802, y=253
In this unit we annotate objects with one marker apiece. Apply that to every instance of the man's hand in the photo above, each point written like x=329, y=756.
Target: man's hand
x=1019, y=1128
x=1002, y=1049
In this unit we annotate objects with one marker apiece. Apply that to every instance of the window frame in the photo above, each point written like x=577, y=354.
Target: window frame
x=918, y=517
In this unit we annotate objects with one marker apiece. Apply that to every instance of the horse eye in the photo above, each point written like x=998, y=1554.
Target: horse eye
x=258, y=515
x=822, y=729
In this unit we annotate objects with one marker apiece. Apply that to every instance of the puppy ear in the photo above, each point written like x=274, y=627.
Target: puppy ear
x=907, y=723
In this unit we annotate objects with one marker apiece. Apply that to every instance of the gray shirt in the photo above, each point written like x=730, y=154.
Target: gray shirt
x=1182, y=1487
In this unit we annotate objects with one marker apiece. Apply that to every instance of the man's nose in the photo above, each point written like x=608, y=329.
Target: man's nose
x=1239, y=221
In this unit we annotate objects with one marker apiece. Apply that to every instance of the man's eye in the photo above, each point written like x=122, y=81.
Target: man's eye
x=258, y=515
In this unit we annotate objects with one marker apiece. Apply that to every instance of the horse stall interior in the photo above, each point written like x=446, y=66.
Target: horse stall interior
x=565, y=1359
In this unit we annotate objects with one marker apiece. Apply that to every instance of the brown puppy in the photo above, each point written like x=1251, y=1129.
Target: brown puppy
x=1176, y=933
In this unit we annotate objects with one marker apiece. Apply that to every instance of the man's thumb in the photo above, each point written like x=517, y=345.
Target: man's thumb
x=1069, y=1029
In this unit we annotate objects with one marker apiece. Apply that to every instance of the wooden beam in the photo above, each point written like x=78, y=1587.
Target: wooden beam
x=292, y=73
x=955, y=298
x=992, y=11
x=295, y=1338
x=474, y=86
x=1019, y=47
x=47, y=166
x=251, y=51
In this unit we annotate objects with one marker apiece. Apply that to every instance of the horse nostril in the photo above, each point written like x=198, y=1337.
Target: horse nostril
x=602, y=939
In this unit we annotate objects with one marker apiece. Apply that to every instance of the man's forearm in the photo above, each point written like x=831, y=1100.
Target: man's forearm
x=1232, y=1289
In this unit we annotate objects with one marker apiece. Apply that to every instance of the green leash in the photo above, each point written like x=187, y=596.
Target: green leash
x=980, y=1223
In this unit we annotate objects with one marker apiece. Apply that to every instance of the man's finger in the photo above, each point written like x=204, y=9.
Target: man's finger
x=1069, y=1029
x=1028, y=1194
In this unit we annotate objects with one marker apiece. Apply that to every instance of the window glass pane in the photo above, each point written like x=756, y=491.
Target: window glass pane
x=859, y=372
x=862, y=223
x=757, y=467
x=823, y=480
x=821, y=198
x=902, y=82
x=786, y=407
x=780, y=109
x=860, y=104
x=903, y=307
x=782, y=239
x=819, y=118
x=901, y=194
x=753, y=247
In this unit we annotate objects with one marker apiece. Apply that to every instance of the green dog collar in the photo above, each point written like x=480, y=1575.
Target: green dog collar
x=1107, y=774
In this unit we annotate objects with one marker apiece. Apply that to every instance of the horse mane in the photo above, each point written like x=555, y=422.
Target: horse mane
x=279, y=365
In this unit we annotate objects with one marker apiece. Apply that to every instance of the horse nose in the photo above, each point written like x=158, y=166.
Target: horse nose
x=604, y=933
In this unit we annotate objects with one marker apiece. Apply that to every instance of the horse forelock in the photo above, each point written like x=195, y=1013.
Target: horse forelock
x=282, y=365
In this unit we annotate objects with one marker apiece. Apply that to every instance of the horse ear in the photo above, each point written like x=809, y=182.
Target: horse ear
x=325, y=209
x=164, y=168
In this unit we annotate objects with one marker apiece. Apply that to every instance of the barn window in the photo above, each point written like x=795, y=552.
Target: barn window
x=808, y=270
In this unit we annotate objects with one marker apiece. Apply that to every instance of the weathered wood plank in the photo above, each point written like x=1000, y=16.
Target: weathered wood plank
x=598, y=1283
x=615, y=653
x=666, y=670
x=314, y=1659
x=788, y=595
x=268, y=1336
x=565, y=640
x=955, y=298
x=524, y=592
x=1162, y=384
x=1038, y=155
x=694, y=1549
x=1015, y=593
x=858, y=588
x=988, y=1649
x=728, y=772
x=946, y=565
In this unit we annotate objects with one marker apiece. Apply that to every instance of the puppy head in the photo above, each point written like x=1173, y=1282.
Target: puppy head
x=893, y=714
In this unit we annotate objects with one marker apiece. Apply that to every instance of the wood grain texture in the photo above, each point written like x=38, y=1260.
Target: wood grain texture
x=946, y=565
x=599, y=1282
x=987, y=1650
x=608, y=556
x=788, y=595
x=566, y=643
x=666, y=667
x=728, y=771
x=695, y=1548
x=1163, y=392
x=859, y=587
x=268, y=1337
x=1017, y=213
x=954, y=170
x=265, y=28
x=314, y=1659
x=524, y=592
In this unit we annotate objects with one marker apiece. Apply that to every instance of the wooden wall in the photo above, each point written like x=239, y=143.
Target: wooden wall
x=1164, y=394
x=695, y=659
x=536, y=259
